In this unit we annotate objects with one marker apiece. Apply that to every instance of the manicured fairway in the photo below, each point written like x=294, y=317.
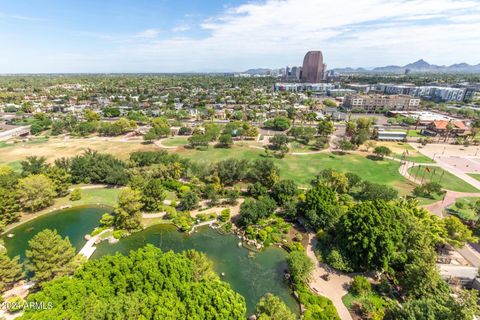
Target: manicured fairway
x=303, y=168
x=446, y=179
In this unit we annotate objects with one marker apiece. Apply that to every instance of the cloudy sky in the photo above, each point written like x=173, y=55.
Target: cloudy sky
x=214, y=35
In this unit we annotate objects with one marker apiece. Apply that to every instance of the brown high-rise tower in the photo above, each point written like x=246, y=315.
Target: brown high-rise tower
x=313, y=67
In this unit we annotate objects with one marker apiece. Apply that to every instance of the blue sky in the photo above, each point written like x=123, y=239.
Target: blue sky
x=213, y=35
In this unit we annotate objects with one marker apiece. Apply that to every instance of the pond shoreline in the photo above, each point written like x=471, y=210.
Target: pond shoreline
x=32, y=216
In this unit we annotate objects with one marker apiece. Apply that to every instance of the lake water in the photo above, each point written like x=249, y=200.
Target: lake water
x=252, y=277
x=73, y=223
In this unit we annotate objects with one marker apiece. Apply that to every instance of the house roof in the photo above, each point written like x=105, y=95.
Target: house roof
x=442, y=124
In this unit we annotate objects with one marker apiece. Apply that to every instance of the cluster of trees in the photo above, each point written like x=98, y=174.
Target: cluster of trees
x=224, y=136
x=165, y=285
x=48, y=256
x=91, y=123
x=32, y=190
x=278, y=123
x=357, y=132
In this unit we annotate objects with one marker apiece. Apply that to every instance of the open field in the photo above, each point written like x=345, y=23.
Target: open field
x=475, y=175
x=446, y=179
x=399, y=148
x=302, y=168
x=54, y=148
x=462, y=208
x=175, y=141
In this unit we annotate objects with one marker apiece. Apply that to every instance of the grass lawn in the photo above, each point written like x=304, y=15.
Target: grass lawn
x=103, y=196
x=462, y=208
x=175, y=141
x=54, y=148
x=299, y=147
x=446, y=179
x=400, y=148
x=303, y=168
x=475, y=175
x=426, y=201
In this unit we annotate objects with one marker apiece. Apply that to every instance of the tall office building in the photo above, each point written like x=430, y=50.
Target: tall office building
x=313, y=69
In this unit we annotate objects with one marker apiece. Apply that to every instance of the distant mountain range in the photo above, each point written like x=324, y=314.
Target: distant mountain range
x=420, y=66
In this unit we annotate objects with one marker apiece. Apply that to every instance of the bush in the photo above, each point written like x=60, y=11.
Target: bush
x=225, y=215
x=118, y=234
x=107, y=220
x=76, y=194
x=361, y=286
x=337, y=261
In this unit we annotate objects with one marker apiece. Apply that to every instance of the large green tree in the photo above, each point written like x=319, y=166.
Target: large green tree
x=49, y=256
x=271, y=307
x=147, y=284
x=128, y=210
x=35, y=192
x=10, y=270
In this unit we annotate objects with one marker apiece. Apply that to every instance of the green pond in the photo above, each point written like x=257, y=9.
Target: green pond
x=252, y=277
x=74, y=223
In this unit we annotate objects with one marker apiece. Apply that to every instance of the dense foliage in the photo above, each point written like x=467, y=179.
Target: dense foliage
x=149, y=284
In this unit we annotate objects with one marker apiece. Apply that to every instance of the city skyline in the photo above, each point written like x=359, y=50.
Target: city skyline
x=219, y=36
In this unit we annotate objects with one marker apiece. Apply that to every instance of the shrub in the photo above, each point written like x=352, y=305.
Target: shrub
x=107, y=220
x=337, y=261
x=361, y=286
x=225, y=215
x=76, y=194
x=118, y=234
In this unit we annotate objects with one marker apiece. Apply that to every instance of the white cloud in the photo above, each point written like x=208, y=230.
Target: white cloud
x=181, y=28
x=275, y=33
x=361, y=32
x=148, y=34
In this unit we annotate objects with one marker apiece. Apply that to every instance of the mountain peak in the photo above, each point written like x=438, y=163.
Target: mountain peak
x=418, y=64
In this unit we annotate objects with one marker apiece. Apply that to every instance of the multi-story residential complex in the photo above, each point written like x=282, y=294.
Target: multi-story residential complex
x=436, y=93
x=300, y=87
x=380, y=103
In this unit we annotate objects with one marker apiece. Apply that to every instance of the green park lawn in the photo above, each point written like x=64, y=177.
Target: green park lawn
x=426, y=201
x=401, y=148
x=462, y=208
x=475, y=175
x=102, y=196
x=175, y=141
x=303, y=168
x=446, y=179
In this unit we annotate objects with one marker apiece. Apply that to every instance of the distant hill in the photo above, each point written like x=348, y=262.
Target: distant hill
x=420, y=66
x=261, y=71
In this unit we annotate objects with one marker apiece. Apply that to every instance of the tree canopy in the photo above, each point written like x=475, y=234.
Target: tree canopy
x=149, y=284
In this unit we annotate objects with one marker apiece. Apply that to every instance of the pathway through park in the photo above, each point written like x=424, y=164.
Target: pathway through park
x=337, y=285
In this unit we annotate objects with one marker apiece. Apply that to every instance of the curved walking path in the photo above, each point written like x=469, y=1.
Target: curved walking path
x=335, y=288
x=159, y=143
